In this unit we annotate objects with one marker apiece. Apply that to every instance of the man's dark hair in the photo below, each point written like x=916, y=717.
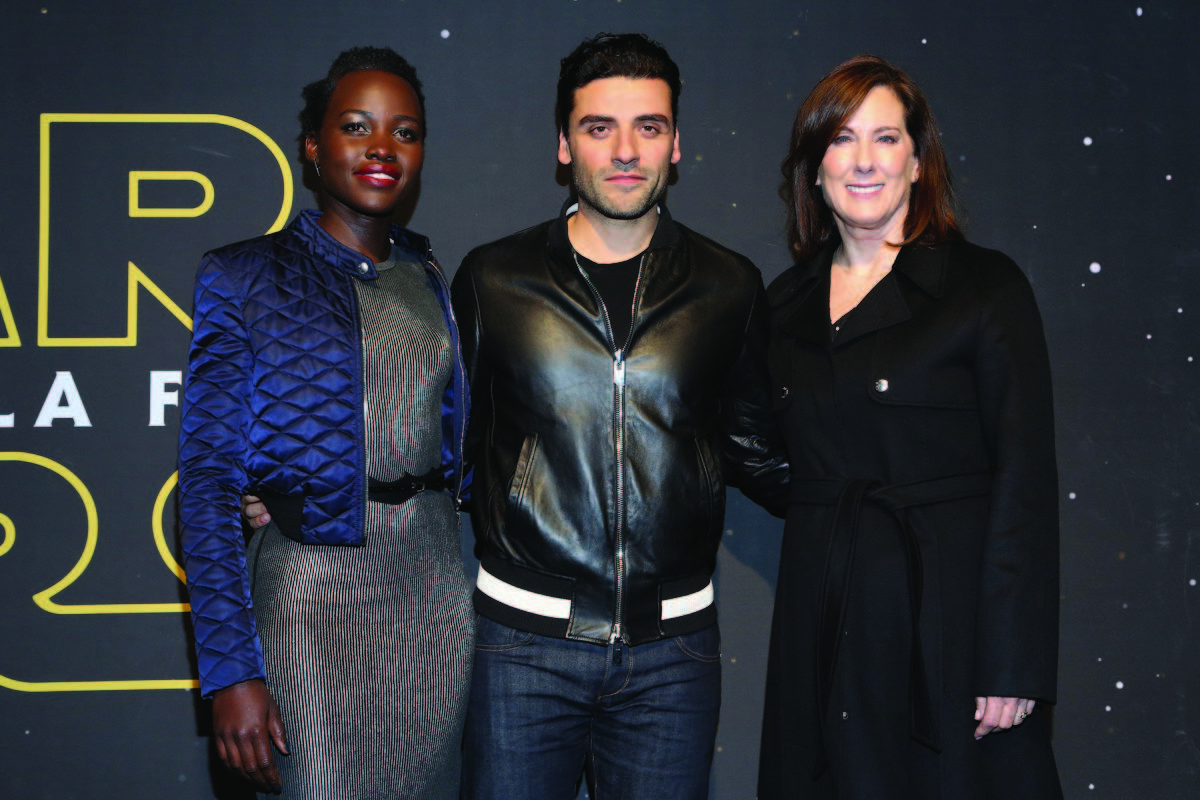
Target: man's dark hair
x=614, y=55
x=357, y=59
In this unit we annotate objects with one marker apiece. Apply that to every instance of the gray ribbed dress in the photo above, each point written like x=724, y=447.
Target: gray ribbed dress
x=368, y=649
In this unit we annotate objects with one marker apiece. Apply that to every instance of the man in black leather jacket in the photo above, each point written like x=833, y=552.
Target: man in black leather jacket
x=617, y=366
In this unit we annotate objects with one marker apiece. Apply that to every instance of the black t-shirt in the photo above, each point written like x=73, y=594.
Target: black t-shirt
x=616, y=284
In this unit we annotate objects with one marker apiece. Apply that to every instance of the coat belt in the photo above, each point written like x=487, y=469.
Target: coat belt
x=848, y=497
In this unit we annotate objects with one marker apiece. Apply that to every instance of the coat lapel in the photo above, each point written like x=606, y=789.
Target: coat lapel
x=804, y=312
x=883, y=307
x=916, y=267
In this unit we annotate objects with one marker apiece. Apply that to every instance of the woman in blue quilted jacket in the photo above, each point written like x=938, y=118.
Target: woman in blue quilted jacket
x=325, y=377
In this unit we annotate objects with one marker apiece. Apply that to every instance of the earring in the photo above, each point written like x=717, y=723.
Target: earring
x=317, y=167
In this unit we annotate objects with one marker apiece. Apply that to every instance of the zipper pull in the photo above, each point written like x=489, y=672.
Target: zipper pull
x=619, y=369
x=616, y=642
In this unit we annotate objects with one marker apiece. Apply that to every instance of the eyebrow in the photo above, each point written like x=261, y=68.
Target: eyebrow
x=590, y=119
x=369, y=115
x=874, y=130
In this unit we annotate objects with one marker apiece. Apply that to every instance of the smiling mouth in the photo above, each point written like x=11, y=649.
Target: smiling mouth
x=378, y=178
x=875, y=187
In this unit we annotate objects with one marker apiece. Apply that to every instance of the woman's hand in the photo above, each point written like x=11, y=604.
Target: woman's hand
x=1000, y=713
x=246, y=722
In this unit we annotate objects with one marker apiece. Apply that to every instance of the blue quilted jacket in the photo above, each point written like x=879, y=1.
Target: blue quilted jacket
x=274, y=401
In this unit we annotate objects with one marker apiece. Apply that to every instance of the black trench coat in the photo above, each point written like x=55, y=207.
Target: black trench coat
x=920, y=557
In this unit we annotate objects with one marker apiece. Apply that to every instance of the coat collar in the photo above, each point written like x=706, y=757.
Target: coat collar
x=802, y=301
x=331, y=251
x=924, y=266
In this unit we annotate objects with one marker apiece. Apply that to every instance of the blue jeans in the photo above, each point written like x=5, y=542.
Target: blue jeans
x=639, y=722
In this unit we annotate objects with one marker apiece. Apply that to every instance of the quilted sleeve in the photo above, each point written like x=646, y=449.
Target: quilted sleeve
x=212, y=457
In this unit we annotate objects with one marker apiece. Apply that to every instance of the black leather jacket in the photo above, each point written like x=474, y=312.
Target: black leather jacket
x=600, y=468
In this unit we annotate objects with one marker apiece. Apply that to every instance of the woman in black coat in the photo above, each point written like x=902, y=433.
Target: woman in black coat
x=914, y=644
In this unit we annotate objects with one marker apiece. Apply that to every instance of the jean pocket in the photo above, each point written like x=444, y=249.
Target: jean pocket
x=702, y=645
x=493, y=637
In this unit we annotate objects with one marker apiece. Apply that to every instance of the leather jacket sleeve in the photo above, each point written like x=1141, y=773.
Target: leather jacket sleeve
x=466, y=310
x=752, y=449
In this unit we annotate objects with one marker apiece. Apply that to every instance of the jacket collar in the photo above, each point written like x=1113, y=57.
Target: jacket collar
x=803, y=304
x=343, y=258
x=666, y=233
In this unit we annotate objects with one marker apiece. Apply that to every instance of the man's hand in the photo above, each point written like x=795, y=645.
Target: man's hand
x=254, y=511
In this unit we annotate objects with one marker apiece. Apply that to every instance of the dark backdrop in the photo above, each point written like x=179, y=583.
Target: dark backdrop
x=1071, y=127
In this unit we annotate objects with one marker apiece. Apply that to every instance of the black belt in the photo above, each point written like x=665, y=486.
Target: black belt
x=288, y=510
x=848, y=498
x=396, y=492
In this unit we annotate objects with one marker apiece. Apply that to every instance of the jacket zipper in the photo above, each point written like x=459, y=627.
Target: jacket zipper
x=619, y=556
x=362, y=395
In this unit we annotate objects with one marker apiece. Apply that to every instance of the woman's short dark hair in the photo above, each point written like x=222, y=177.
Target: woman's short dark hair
x=357, y=59
x=614, y=55
x=836, y=97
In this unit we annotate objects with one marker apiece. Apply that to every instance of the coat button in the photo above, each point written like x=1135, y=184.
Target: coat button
x=783, y=392
x=364, y=268
x=881, y=385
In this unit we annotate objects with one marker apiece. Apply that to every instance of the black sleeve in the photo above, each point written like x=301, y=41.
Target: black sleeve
x=752, y=448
